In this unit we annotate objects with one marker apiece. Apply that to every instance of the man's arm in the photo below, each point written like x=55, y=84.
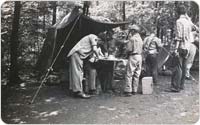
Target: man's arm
x=95, y=49
x=145, y=44
x=94, y=41
x=195, y=27
x=159, y=43
x=176, y=46
x=179, y=35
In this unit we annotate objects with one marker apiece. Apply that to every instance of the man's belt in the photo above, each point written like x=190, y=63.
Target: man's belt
x=152, y=51
x=132, y=54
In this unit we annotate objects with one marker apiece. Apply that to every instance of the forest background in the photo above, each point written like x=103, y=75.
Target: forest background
x=24, y=25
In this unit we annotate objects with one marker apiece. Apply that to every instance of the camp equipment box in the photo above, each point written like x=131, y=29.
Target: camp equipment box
x=147, y=85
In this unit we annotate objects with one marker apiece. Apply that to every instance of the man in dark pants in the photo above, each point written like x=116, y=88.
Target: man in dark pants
x=179, y=71
x=183, y=38
x=152, y=44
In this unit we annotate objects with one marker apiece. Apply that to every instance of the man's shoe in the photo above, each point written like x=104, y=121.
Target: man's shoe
x=182, y=87
x=127, y=94
x=155, y=84
x=82, y=95
x=189, y=78
x=134, y=93
x=174, y=90
x=92, y=92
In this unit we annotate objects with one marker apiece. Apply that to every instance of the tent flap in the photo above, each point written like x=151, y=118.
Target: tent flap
x=53, y=42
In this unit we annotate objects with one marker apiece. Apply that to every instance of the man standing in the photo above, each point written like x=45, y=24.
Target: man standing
x=189, y=60
x=91, y=67
x=183, y=31
x=133, y=67
x=192, y=49
x=152, y=45
x=83, y=49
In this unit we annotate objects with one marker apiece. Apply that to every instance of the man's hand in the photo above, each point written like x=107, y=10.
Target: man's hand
x=175, y=53
x=100, y=52
x=100, y=57
x=125, y=41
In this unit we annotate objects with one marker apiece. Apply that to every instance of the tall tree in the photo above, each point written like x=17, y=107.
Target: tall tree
x=123, y=12
x=194, y=11
x=86, y=6
x=54, y=7
x=14, y=44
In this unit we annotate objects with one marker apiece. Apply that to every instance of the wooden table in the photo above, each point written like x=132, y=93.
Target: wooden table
x=106, y=74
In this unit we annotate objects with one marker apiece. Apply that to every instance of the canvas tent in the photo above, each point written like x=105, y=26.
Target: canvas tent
x=80, y=25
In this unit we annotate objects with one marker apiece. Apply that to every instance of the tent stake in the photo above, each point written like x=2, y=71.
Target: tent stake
x=51, y=69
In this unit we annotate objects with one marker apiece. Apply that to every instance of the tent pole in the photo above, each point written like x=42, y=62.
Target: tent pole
x=50, y=68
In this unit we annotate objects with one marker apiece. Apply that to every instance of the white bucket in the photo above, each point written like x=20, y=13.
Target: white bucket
x=147, y=85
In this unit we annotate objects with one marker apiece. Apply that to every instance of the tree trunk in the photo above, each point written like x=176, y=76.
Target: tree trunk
x=86, y=6
x=194, y=9
x=44, y=23
x=123, y=13
x=142, y=2
x=157, y=4
x=97, y=3
x=176, y=9
x=54, y=6
x=14, y=69
x=158, y=31
x=156, y=19
x=161, y=34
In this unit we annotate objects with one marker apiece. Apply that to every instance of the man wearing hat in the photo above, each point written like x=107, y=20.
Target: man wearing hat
x=152, y=45
x=80, y=52
x=133, y=67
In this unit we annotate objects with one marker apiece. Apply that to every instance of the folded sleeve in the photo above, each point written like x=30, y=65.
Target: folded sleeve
x=158, y=42
x=93, y=40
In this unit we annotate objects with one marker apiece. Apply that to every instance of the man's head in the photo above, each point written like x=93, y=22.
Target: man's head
x=181, y=10
x=101, y=37
x=153, y=32
x=134, y=28
x=109, y=35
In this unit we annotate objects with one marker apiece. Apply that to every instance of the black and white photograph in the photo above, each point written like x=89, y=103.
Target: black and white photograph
x=100, y=62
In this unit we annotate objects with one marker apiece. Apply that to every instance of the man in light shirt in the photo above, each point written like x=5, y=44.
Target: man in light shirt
x=152, y=45
x=81, y=51
x=192, y=49
x=133, y=67
x=181, y=52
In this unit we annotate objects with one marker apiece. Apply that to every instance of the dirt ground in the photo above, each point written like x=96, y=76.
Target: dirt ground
x=54, y=106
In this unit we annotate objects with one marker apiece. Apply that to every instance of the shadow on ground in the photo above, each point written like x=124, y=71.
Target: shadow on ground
x=53, y=105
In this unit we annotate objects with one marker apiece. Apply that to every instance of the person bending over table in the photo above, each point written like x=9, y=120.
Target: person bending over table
x=83, y=49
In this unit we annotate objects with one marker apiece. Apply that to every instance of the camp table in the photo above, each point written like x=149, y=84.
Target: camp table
x=111, y=63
